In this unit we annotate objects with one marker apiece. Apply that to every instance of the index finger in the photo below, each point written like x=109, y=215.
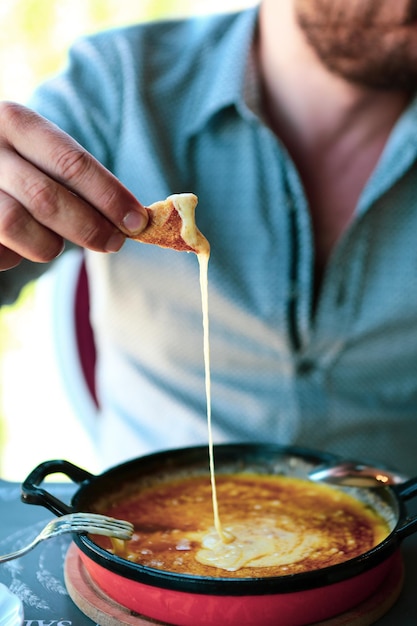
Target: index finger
x=59, y=156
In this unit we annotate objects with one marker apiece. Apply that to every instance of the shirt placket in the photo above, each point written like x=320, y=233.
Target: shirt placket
x=316, y=341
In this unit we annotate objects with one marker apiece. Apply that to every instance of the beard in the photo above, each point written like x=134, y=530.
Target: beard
x=369, y=42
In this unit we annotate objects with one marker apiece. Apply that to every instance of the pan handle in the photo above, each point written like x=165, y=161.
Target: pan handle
x=406, y=491
x=31, y=493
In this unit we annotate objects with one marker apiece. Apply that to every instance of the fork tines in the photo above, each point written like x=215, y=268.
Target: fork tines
x=95, y=524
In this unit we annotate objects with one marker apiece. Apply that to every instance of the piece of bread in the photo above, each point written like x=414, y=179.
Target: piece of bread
x=172, y=225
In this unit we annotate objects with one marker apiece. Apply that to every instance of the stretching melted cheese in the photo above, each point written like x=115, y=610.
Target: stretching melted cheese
x=185, y=205
x=172, y=225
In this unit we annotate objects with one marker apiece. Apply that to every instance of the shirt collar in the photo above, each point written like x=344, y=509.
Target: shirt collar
x=399, y=155
x=223, y=75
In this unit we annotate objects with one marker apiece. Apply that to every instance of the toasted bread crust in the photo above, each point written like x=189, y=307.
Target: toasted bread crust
x=172, y=225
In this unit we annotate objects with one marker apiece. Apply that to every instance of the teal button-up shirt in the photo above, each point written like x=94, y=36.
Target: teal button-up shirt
x=163, y=106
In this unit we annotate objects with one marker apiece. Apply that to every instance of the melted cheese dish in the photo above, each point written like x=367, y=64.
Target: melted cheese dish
x=280, y=525
x=268, y=525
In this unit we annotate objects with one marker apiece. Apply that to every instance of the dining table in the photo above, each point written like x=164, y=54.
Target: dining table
x=38, y=577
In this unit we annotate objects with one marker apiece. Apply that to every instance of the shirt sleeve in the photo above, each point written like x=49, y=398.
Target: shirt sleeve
x=85, y=100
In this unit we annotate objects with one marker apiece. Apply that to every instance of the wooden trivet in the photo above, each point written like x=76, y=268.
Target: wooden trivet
x=105, y=612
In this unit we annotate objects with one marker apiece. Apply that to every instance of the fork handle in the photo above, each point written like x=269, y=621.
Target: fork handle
x=15, y=555
x=32, y=493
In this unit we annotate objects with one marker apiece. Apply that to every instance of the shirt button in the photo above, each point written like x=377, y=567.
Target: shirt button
x=305, y=366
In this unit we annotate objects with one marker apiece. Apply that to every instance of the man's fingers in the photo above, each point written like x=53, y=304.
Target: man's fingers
x=62, y=159
x=8, y=258
x=22, y=236
x=34, y=204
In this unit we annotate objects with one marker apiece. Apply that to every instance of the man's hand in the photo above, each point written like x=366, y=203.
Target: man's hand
x=51, y=189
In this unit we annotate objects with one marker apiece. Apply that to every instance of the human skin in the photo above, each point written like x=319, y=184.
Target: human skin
x=51, y=189
x=335, y=128
x=372, y=42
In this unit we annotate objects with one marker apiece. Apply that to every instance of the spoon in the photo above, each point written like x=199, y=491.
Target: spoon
x=354, y=474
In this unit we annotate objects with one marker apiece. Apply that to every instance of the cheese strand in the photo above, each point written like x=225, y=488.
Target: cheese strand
x=203, y=259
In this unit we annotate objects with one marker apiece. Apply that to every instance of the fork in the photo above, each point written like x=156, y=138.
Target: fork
x=77, y=523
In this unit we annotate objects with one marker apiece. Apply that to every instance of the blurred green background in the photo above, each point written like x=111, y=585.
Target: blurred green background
x=35, y=34
x=34, y=39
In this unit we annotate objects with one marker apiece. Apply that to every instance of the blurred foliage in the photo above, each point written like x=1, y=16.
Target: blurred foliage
x=35, y=34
